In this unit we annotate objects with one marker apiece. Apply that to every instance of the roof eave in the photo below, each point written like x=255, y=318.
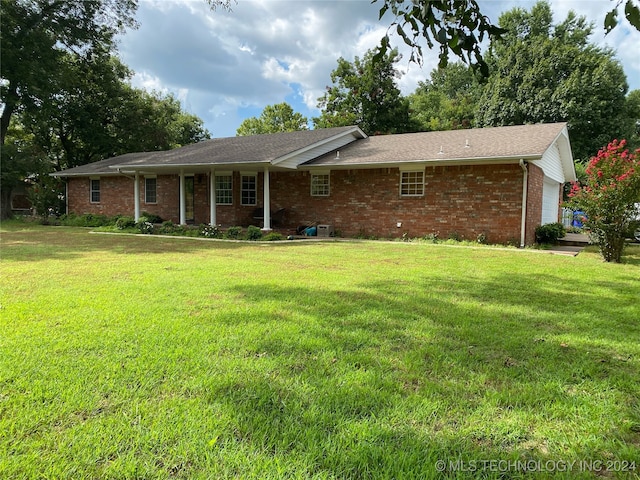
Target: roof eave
x=359, y=133
x=434, y=162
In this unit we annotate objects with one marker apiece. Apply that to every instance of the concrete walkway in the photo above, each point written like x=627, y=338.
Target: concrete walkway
x=572, y=244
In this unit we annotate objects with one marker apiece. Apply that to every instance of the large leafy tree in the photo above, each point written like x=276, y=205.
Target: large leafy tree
x=273, y=119
x=365, y=93
x=459, y=26
x=546, y=73
x=97, y=114
x=38, y=34
x=446, y=101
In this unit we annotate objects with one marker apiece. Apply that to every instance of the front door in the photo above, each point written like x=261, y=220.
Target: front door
x=189, y=199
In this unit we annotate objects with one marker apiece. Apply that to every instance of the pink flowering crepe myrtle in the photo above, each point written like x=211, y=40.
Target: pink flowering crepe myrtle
x=609, y=197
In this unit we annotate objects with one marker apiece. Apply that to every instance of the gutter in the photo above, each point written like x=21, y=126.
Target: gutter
x=523, y=221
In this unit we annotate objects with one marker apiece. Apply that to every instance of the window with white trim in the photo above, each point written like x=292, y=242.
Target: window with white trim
x=248, y=189
x=412, y=183
x=94, y=195
x=150, y=190
x=224, y=190
x=319, y=184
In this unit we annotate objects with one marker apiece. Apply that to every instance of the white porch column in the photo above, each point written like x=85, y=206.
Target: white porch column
x=183, y=201
x=212, y=198
x=136, y=197
x=267, y=201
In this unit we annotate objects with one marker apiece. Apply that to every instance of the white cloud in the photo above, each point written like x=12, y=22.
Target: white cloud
x=225, y=64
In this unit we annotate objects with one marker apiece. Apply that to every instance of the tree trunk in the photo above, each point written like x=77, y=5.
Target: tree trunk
x=9, y=106
x=5, y=203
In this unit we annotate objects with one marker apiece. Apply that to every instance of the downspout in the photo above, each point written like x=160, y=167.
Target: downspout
x=523, y=221
x=66, y=196
x=136, y=197
x=136, y=193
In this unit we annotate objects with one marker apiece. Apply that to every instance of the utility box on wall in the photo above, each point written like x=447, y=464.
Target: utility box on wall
x=326, y=231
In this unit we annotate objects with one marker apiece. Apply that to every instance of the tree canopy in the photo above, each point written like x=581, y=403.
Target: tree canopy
x=459, y=26
x=447, y=100
x=542, y=72
x=365, y=93
x=37, y=35
x=66, y=98
x=273, y=119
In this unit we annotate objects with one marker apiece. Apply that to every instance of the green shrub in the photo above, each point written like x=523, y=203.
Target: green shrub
x=86, y=220
x=254, y=233
x=145, y=226
x=455, y=236
x=152, y=217
x=432, y=237
x=125, y=222
x=272, y=237
x=481, y=238
x=634, y=226
x=209, y=231
x=233, y=232
x=170, y=228
x=549, y=233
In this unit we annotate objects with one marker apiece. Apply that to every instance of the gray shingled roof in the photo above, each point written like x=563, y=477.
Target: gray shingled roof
x=218, y=151
x=514, y=142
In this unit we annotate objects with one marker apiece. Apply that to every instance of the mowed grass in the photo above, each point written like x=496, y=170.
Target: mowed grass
x=146, y=357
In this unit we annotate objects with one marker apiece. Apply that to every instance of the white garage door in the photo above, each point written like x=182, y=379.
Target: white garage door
x=550, y=201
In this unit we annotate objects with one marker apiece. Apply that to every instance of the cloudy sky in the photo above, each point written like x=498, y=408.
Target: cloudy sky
x=227, y=66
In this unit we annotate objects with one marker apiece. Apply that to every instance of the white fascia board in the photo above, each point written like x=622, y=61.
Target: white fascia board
x=200, y=167
x=417, y=163
x=566, y=156
x=356, y=132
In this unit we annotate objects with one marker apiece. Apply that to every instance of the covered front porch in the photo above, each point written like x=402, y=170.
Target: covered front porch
x=214, y=196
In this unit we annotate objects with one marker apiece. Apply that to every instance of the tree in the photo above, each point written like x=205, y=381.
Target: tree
x=610, y=197
x=633, y=109
x=37, y=34
x=96, y=114
x=365, y=93
x=447, y=101
x=18, y=155
x=459, y=27
x=273, y=119
x=547, y=73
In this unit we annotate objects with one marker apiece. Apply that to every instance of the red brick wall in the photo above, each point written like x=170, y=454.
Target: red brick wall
x=535, y=183
x=466, y=200
x=116, y=197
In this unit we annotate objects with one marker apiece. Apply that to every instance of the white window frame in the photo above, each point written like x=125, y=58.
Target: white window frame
x=227, y=191
x=414, y=186
x=320, y=189
x=93, y=190
x=146, y=189
x=254, y=190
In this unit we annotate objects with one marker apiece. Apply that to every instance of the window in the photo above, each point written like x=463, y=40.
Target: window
x=95, y=190
x=320, y=184
x=224, y=189
x=150, y=190
x=412, y=184
x=248, y=192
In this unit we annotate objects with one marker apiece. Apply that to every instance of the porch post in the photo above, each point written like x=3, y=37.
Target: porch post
x=267, y=201
x=183, y=201
x=212, y=198
x=136, y=197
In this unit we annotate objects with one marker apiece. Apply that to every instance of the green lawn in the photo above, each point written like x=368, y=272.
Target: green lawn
x=146, y=357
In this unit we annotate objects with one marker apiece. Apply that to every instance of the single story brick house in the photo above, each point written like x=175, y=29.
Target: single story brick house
x=501, y=182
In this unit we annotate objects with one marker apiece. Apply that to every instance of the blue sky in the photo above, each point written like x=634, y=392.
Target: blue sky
x=227, y=66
